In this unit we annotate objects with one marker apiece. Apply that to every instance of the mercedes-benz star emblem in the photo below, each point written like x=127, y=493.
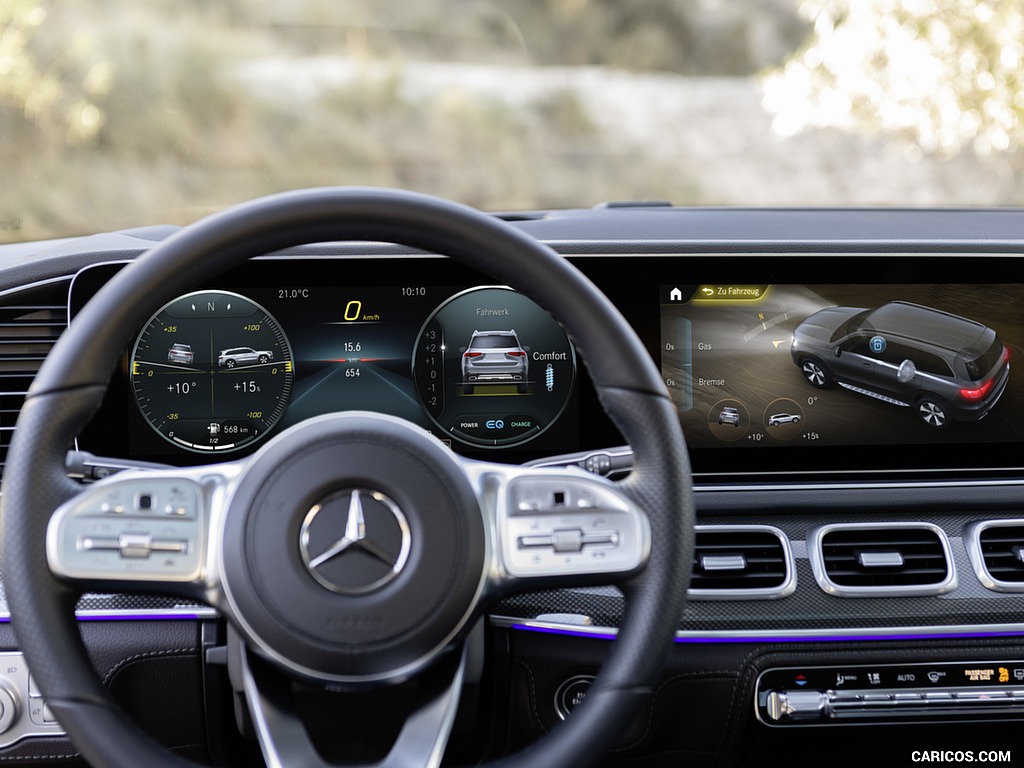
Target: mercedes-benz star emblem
x=355, y=541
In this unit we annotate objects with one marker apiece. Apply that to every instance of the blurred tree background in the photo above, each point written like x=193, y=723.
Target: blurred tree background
x=946, y=74
x=42, y=87
x=116, y=113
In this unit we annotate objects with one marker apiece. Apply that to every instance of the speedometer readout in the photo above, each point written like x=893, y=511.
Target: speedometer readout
x=212, y=371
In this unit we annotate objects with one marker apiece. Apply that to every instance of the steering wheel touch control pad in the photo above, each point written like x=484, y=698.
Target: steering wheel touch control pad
x=135, y=525
x=561, y=525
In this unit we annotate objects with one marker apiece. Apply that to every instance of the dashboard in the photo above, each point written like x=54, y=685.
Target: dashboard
x=848, y=385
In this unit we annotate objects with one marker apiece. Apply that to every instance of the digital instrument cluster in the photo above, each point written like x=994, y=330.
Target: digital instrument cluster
x=217, y=371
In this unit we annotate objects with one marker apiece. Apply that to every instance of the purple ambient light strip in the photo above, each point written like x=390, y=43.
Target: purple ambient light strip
x=154, y=616
x=866, y=637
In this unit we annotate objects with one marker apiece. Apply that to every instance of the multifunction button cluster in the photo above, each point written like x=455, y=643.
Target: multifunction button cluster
x=129, y=528
x=563, y=525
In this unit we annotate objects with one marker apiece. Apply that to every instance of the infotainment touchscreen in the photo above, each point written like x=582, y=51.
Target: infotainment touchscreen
x=910, y=366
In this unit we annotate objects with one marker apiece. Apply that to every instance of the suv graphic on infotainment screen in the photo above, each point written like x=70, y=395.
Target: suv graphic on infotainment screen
x=943, y=366
x=789, y=365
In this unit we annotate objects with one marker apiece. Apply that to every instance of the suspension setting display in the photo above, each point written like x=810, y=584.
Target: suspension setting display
x=492, y=369
x=212, y=371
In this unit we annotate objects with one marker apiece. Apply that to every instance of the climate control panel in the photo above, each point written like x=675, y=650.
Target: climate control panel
x=890, y=693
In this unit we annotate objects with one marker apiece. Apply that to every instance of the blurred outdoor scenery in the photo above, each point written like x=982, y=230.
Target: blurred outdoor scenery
x=119, y=113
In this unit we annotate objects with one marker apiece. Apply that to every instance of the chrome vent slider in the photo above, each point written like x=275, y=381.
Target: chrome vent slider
x=910, y=559
x=723, y=563
x=880, y=559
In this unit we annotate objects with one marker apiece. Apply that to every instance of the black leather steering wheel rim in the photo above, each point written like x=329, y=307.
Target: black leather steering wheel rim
x=71, y=383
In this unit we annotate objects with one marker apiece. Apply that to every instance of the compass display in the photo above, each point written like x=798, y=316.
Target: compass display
x=212, y=371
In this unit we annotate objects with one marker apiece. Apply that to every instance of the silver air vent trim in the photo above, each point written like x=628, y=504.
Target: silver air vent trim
x=814, y=552
x=972, y=542
x=784, y=589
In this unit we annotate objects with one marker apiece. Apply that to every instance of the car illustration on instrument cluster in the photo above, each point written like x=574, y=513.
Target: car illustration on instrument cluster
x=494, y=357
x=729, y=415
x=783, y=418
x=236, y=356
x=946, y=367
x=180, y=353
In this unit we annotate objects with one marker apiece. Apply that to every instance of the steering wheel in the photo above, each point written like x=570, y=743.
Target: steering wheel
x=236, y=535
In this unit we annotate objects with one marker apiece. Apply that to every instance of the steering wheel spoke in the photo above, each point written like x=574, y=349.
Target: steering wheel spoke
x=284, y=740
x=143, y=531
x=559, y=527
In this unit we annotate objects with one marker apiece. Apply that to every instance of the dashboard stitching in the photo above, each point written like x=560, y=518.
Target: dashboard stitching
x=734, y=712
x=649, y=717
x=533, y=693
x=124, y=663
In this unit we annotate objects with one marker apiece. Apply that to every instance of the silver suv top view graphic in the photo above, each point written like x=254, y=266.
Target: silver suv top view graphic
x=494, y=357
x=729, y=415
x=947, y=368
x=180, y=353
x=229, y=358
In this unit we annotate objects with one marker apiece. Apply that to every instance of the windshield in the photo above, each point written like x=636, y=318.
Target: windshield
x=120, y=113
